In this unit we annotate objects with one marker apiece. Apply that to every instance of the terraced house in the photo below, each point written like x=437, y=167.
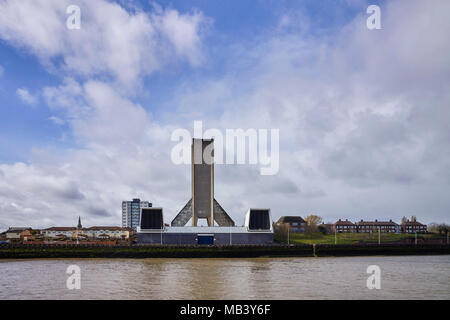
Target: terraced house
x=413, y=226
x=344, y=226
x=377, y=226
x=58, y=232
x=98, y=232
x=106, y=232
x=15, y=233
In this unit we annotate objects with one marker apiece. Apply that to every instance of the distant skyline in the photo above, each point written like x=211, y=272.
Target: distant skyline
x=86, y=115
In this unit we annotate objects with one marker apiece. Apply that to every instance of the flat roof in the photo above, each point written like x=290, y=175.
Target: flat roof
x=205, y=230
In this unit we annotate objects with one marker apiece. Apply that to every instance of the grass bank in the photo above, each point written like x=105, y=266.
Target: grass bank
x=353, y=238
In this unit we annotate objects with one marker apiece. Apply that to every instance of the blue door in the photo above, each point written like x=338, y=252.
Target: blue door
x=205, y=239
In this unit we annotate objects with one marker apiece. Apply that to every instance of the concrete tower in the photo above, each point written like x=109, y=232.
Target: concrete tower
x=202, y=204
x=202, y=181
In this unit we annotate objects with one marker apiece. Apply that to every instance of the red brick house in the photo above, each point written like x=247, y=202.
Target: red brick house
x=413, y=227
x=375, y=226
x=295, y=223
x=18, y=233
x=344, y=226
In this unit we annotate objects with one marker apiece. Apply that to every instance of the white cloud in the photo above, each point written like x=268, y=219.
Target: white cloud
x=363, y=124
x=183, y=31
x=125, y=46
x=97, y=113
x=26, y=96
x=56, y=120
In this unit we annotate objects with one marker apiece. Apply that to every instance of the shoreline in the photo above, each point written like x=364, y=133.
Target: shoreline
x=274, y=251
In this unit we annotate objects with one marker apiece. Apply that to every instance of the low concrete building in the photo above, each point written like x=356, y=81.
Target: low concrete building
x=295, y=223
x=205, y=236
x=256, y=230
x=375, y=226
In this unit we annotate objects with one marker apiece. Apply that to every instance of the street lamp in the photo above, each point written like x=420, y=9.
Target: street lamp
x=379, y=235
x=289, y=227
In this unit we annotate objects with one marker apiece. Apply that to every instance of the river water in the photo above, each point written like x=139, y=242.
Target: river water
x=405, y=277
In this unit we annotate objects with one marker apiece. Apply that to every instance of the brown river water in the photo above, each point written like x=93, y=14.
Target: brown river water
x=402, y=277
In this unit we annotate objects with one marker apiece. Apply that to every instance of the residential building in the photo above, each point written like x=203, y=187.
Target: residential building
x=413, y=227
x=295, y=223
x=344, y=226
x=17, y=233
x=97, y=232
x=375, y=226
x=59, y=232
x=108, y=232
x=131, y=211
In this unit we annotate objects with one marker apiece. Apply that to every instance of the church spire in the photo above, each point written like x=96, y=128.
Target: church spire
x=79, y=223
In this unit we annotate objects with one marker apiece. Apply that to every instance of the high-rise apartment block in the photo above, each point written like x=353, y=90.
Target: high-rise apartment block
x=131, y=211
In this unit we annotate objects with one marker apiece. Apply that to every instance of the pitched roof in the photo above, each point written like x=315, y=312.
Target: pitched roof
x=291, y=219
x=17, y=229
x=346, y=223
x=412, y=223
x=60, y=229
x=376, y=223
x=108, y=228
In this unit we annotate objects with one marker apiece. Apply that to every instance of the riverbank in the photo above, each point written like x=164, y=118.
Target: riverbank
x=140, y=252
x=360, y=238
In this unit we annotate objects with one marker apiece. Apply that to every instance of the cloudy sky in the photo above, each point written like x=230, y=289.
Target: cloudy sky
x=86, y=115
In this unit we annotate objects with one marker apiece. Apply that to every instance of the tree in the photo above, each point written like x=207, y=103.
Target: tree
x=443, y=228
x=433, y=227
x=404, y=220
x=312, y=222
x=440, y=228
x=324, y=229
x=281, y=232
x=413, y=218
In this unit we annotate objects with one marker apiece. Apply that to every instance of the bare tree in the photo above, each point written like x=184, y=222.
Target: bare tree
x=440, y=228
x=281, y=232
x=443, y=228
x=312, y=222
x=433, y=227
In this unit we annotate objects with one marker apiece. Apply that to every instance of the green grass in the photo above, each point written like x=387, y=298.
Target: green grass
x=349, y=238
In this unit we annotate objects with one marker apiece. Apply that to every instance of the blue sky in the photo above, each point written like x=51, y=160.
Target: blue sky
x=86, y=115
x=234, y=23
